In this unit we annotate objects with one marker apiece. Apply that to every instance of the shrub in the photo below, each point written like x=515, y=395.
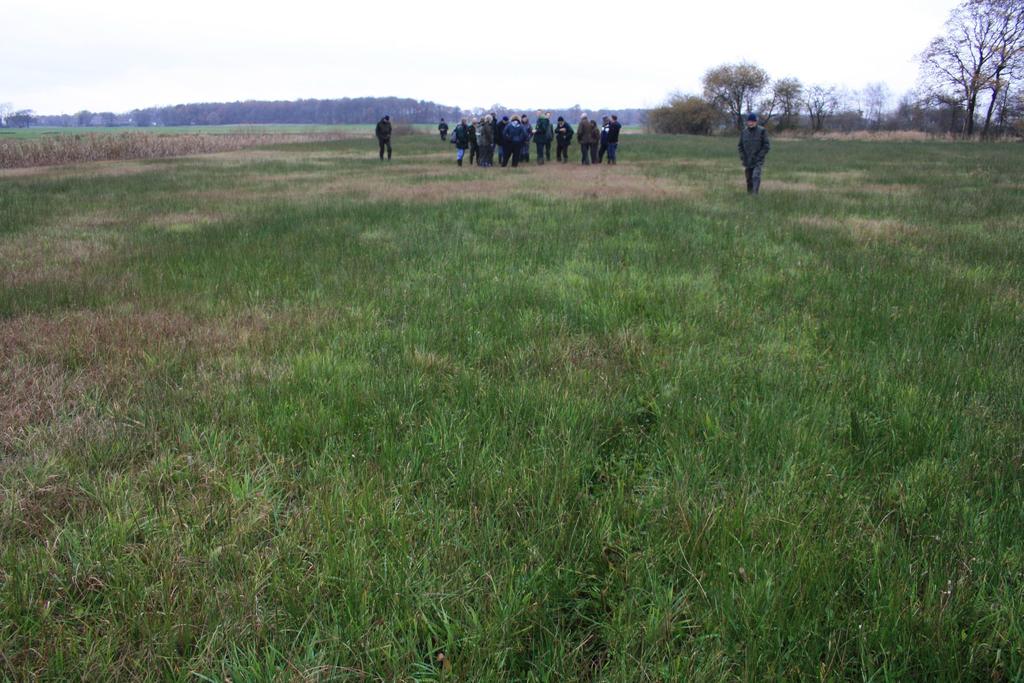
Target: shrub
x=684, y=114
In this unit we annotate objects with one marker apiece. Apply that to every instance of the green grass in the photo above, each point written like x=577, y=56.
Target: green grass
x=296, y=415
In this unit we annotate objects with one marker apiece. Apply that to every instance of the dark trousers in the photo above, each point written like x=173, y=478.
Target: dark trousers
x=613, y=151
x=486, y=155
x=593, y=153
x=512, y=153
x=385, y=143
x=474, y=153
x=562, y=153
x=540, y=152
x=547, y=150
x=444, y=135
x=754, y=179
x=588, y=152
x=600, y=152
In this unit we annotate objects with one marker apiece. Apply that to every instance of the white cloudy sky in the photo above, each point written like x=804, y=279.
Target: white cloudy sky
x=115, y=55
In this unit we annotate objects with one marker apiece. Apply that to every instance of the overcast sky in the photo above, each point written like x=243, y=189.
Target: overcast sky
x=117, y=55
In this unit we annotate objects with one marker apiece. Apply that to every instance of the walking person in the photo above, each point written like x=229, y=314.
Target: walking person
x=603, y=147
x=586, y=134
x=383, y=133
x=515, y=135
x=542, y=136
x=474, y=147
x=753, y=148
x=614, y=128
x=460, y=138
x=563, y=138
x=442, y=128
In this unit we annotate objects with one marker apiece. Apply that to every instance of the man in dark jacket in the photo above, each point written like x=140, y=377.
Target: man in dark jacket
x=753, y=148
x=563, y=136
x=587, y=136
x=524, y=153
x=474, y=147
x=460, y=136
x=383, y=133
x=499, y=139
x=515, y=137
x=613, y=139
x=603, y=147
x=542, y=136
x=442, y=128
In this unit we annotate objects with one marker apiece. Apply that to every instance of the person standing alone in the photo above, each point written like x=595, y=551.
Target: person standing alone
x=383, y=133
x=753, y=147
x=442, y=128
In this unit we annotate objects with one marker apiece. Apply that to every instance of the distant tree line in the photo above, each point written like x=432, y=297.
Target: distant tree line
x=971, y=77
x=320, y=112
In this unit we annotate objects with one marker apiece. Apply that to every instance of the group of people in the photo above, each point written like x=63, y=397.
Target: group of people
x=511, y=138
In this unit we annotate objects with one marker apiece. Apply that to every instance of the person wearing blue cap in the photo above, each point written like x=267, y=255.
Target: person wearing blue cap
x=753, y=147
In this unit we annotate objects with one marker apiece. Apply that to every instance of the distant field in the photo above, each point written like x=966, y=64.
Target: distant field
x=354, y=129
x=292, y=413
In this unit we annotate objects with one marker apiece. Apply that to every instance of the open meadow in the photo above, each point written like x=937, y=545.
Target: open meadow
x=291, y=413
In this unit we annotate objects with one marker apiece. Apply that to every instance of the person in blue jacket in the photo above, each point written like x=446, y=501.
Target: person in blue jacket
x=515, y=138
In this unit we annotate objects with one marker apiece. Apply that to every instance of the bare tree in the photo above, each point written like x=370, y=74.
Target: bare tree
x=735, y=88
x=1008, y=56
x=982, y=42
x=876, y=98
x=787, y=93
x=821, y=103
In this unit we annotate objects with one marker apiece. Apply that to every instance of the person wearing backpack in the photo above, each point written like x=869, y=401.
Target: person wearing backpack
x=442, y=128
x=542, y=136
x=753, y=148
x=383, y=133
x=563, y=138
x=460, y=138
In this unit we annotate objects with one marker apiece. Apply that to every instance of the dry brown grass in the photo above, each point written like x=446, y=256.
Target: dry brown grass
x=60, y=251
x=865, y=136
x=74, y=149
x=861, y=228
x=430, y=183
x=54, y=371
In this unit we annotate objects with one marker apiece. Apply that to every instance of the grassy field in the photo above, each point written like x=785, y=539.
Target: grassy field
x=294, y=414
